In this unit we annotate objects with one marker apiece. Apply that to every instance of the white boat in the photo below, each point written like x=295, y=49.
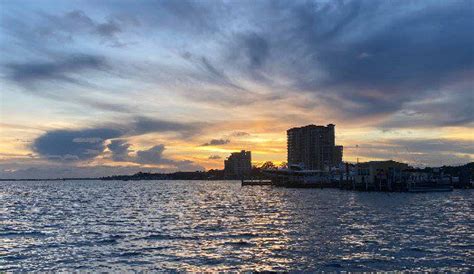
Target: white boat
x=295, y=176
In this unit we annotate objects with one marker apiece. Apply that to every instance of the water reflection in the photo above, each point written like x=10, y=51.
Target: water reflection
x=220, y=226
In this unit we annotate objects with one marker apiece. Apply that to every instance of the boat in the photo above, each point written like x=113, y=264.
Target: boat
x=442, y=184
x=296, y=177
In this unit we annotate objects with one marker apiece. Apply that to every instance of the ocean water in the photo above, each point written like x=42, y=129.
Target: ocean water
x=202, y=225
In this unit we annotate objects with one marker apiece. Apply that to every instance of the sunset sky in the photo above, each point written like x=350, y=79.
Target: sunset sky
x=94, y=88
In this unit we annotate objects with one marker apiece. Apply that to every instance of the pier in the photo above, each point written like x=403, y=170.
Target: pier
x=352, y=185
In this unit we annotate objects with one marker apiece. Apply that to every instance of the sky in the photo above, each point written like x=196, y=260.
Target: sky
x=96, y=88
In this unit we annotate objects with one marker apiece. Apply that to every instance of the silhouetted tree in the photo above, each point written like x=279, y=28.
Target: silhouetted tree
x=268, y=165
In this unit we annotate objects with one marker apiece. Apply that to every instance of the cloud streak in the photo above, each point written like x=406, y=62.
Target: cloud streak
x=216, y=142
x=63, y=69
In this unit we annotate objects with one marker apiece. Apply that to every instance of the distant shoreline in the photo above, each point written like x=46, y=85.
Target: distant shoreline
x=102, y=179
x=212, y=175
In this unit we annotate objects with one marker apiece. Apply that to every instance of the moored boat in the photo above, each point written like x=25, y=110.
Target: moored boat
x=430, y=185
x=296, y=177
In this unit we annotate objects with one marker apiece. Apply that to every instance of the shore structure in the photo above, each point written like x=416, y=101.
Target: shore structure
x=379, y=174
x=314, y=161
x=390, y=176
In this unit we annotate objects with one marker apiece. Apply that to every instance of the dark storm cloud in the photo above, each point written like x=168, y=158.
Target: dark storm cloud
x=32, y=169
x=216, y=142
x=62, y=69
x=362, y=57
x=152, y=156
x=72, y=145
x=120, y=150
x=86, y=144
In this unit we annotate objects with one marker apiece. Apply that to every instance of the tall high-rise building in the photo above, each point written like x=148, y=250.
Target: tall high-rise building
x=313, y=147
x=238, y=164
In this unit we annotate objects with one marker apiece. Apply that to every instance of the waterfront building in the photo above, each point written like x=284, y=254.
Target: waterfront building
x=313, y=147
x=338, y=153
x=238, y=164
x=379, y=171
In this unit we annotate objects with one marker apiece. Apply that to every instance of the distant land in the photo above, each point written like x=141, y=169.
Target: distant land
x=217, y=174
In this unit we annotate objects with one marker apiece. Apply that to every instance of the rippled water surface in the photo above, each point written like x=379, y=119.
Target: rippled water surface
x=191, y=225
